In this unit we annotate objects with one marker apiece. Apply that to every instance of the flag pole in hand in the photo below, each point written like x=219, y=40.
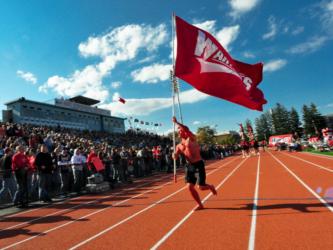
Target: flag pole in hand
x=172, y=78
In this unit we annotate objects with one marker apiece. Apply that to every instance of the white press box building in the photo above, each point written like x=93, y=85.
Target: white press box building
x=77, y=113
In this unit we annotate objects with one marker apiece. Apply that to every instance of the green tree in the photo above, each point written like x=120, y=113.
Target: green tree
x=318, y=121
x=294, y=120
x=206, y=135
x=307, y=121
x=228, y=140
x=313, y=120
x=263, y=126
x=280, y=120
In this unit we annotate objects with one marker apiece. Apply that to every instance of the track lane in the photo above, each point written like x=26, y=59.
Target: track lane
x=60, y=234
x=19, y=235
x=157, y=221
x=289, y=216
x=221, y=225
x=35, y=214
x=320, y=180
x=323, y=163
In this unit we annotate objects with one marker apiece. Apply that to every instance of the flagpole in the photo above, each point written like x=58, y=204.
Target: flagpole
x=178, y=98
x=172, y=76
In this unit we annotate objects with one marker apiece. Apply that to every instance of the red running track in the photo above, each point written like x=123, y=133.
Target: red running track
x=278, y=200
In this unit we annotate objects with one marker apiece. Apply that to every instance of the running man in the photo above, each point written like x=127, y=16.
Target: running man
x=191, y=149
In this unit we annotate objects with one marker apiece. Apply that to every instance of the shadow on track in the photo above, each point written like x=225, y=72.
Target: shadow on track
x=300, y=207
x=8, y=233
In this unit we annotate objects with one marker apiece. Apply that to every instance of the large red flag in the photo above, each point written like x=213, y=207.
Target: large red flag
x=206, y=65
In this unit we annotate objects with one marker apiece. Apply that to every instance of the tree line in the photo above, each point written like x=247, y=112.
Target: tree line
x=279, y=120
x=276, y=121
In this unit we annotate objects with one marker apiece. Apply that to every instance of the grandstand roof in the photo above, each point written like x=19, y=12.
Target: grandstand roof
x=83, y=100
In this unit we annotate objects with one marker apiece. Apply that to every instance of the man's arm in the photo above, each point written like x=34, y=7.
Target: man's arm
x=185, y=128
x=177, y=152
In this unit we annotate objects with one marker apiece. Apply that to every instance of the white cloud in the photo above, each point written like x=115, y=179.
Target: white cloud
x=312, y=45
x=27, y=76
x=152, y=74
x=272, y=29
x=240, y=7
x=116, y=85
x=274, y=65
x=120, y=44
x=248, y=54
x=116, y=97
x=147, y=59
x=149, y=105
x=297, y=30
x=208, y=26
x=196, y=122
x=225, y=36
x=330, y=105
x=87, y=82
x=326, y=16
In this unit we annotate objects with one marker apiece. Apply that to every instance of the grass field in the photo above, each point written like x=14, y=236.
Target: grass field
x=330, y=153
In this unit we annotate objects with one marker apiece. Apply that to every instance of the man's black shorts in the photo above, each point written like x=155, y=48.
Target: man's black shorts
x=191, y=169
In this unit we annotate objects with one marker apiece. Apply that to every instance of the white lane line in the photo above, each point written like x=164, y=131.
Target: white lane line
x=310, y=162
x=327, y=205
x=252, y=237
x=72, y=208
x=83, y=217
x=168, y=234
x=139, y=212
x=2, y=218
x=318, y=155
x=97, y=211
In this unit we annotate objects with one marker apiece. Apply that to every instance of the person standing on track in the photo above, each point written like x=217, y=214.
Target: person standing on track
x=191, y=150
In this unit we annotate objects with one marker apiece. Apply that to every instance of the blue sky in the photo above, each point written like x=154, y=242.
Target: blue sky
x=104, y=49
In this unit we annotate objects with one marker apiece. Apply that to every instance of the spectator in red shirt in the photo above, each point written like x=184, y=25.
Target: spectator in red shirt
x=20, y=166
x=32, y=174
x=90, y=158
x=157, y=157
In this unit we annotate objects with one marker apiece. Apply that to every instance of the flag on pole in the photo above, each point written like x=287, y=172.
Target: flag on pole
x=203, y=62
x=250, y=132
x=122, y=100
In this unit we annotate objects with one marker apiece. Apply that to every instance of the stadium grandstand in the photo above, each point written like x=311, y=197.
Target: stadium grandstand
x=76, y=113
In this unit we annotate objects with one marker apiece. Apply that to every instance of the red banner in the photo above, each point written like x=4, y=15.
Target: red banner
x=98, y=164
x=287, y=138
x=206, y=65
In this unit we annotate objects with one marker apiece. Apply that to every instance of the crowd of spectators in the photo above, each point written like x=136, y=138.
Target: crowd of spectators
x=39, y=163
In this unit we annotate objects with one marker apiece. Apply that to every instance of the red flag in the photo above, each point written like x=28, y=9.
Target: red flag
x=250, y=132
x=241, y=129
x=249, y=129
x=98, y=164
x=122, y=100
x=206, y=65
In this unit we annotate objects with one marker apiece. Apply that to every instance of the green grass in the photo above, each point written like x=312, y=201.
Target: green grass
x=323, y=153
x=318, y=152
